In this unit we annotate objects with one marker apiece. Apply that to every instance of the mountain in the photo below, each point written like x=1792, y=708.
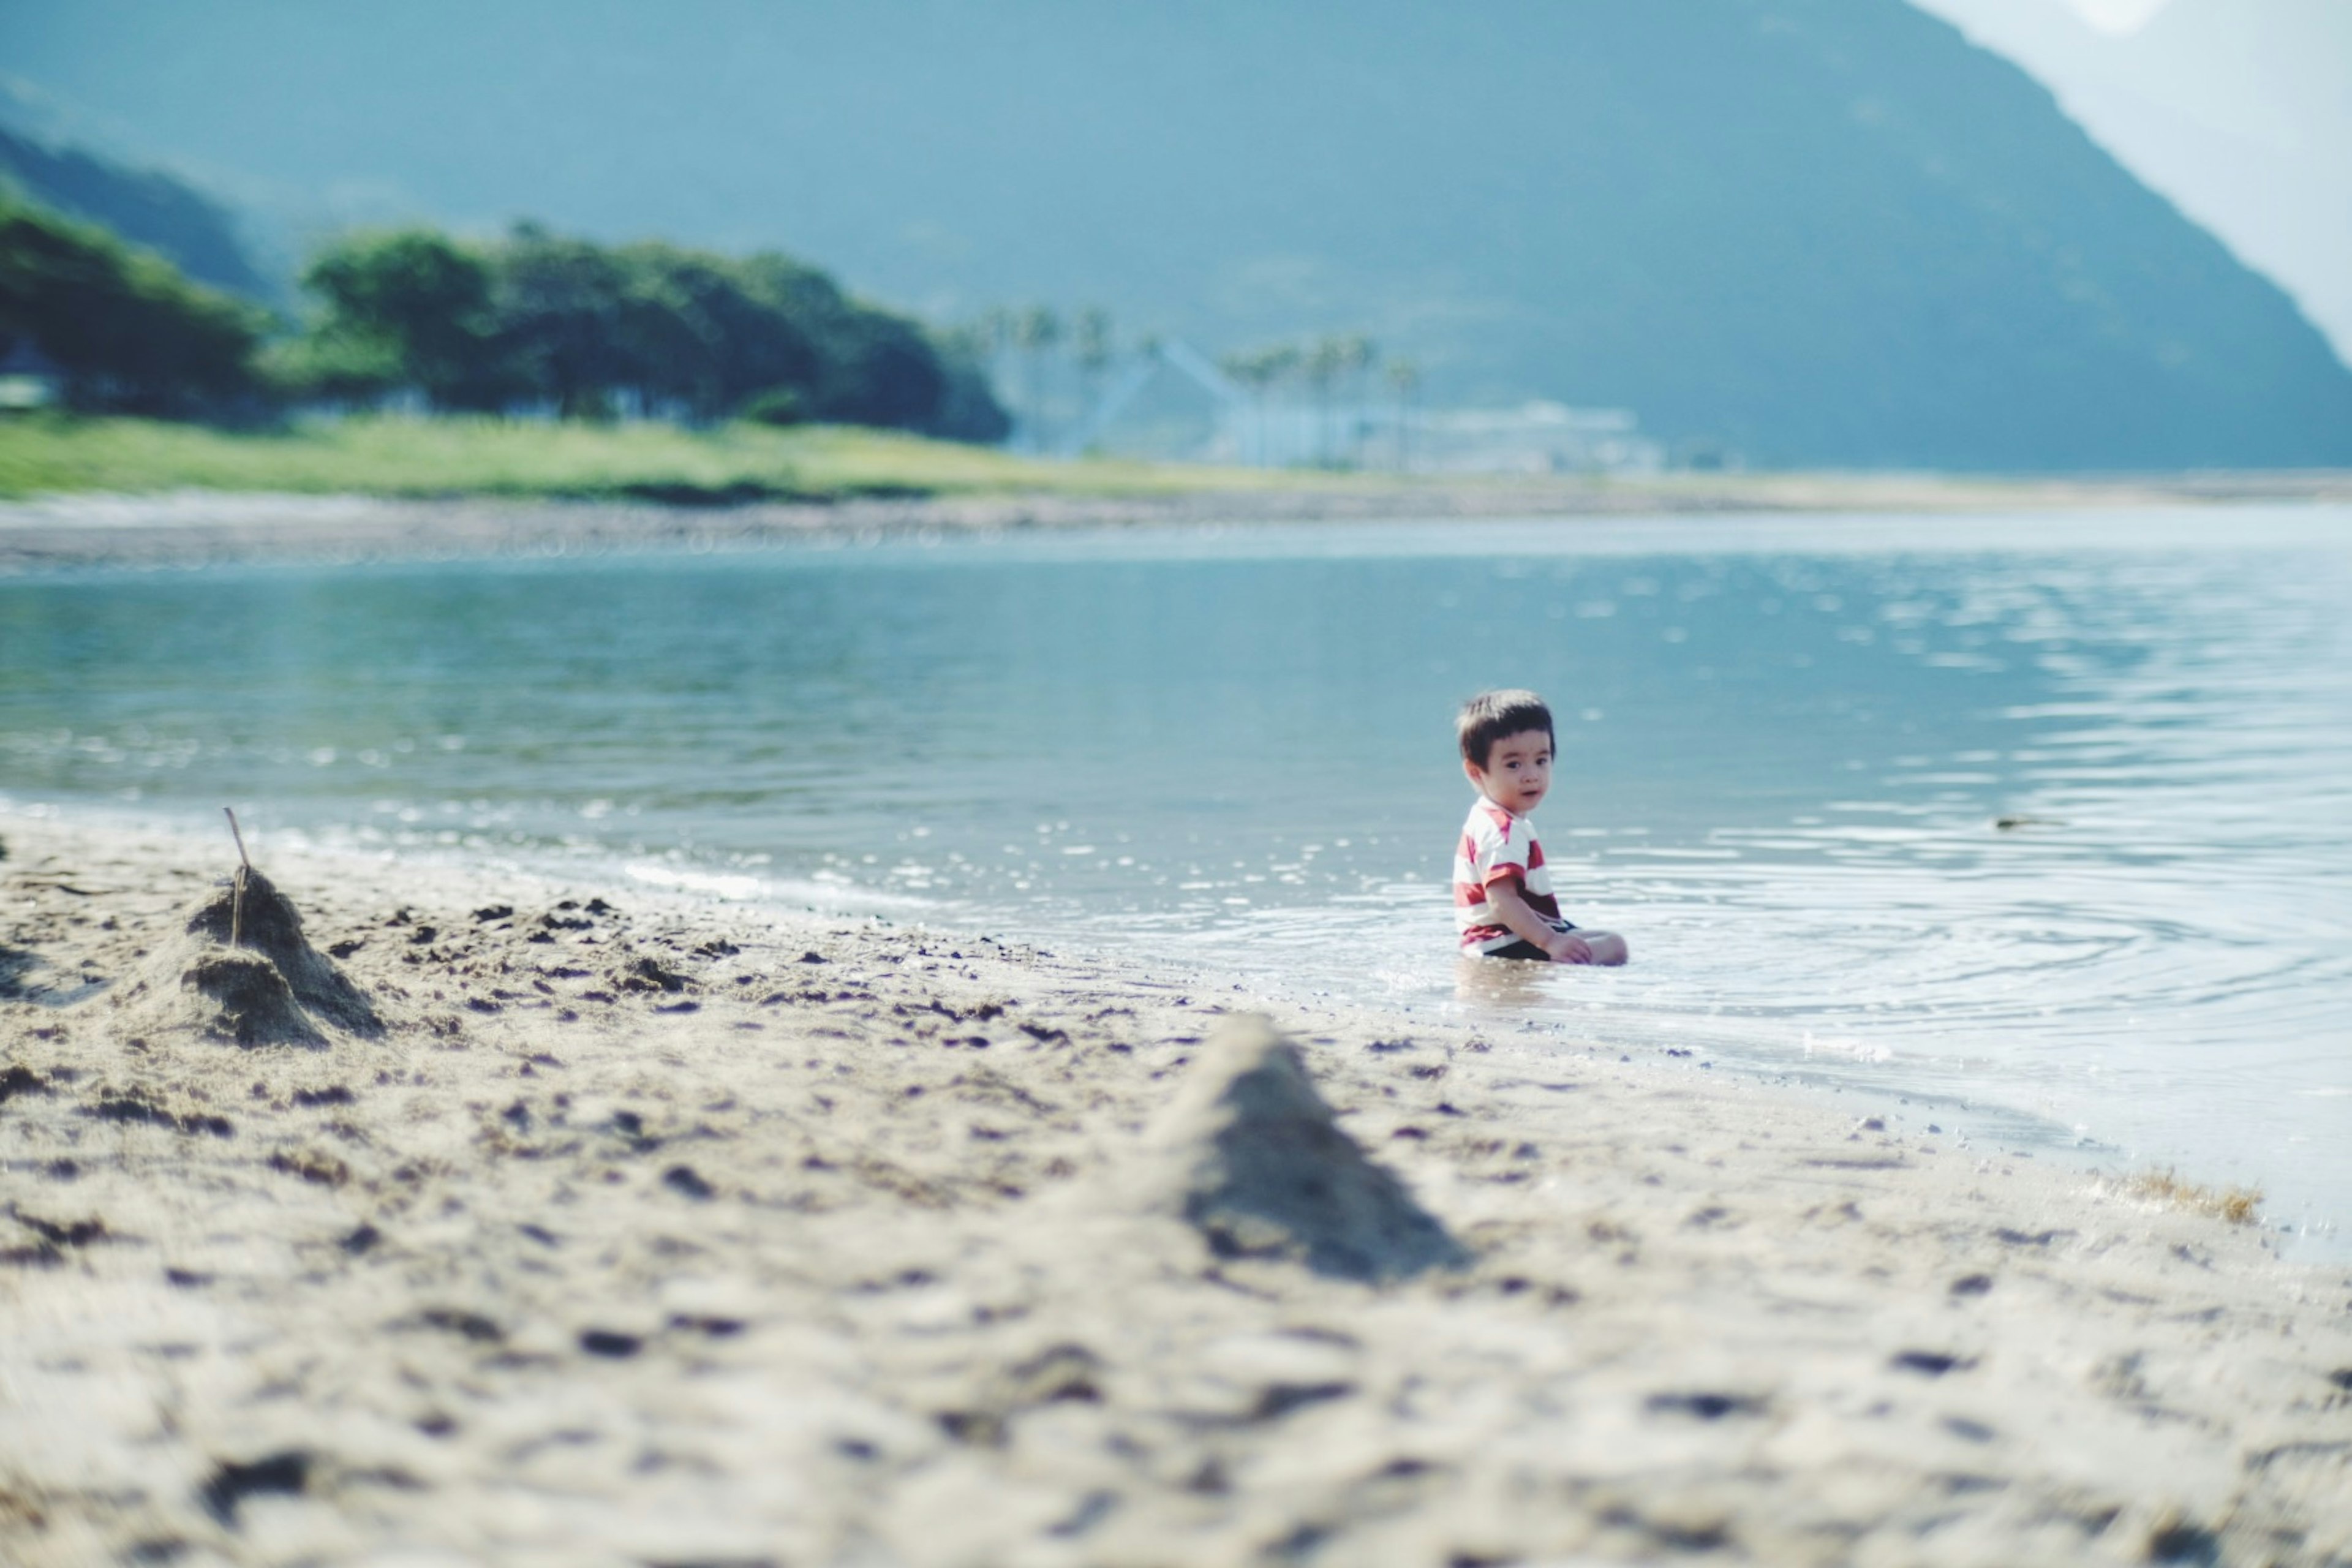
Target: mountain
x=144, y=206
x=1818, y=231
x=2241, y=113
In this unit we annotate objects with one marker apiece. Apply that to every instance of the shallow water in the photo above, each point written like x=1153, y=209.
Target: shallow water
x=1785, y=746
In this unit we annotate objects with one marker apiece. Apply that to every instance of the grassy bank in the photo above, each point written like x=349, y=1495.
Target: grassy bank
x=399, y=457
x=432, y=458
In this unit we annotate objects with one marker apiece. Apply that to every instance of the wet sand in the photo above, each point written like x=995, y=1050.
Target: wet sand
x=621, y=1228
x=194, y=527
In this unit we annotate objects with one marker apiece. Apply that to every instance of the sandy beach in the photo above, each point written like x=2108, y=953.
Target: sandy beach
x=549, y=1223
x=193, y=527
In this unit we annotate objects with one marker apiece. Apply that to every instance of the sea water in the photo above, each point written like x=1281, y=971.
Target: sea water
x=2041, y=824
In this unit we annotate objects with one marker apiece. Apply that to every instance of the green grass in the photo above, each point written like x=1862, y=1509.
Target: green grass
x=453, y=456
x=440, y=457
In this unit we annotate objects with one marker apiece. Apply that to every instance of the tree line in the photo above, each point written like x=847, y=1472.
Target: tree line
x=1055, y=365
x=1021, y=347
x=1335, y=373
x=128, y=330
x=532, y=322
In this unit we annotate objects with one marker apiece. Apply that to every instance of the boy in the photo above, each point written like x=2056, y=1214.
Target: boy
x=1501, y=892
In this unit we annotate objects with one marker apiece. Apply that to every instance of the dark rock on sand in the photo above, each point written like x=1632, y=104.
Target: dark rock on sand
x=688, y=1181
x=1707, y=1405
x=135, y=1109
x=19, y=1079
x=649, y=973
x=1252, y=1158
x=232, y=1482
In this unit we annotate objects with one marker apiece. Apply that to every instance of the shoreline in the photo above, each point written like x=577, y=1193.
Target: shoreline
x=196, y=527
x=652, y=1229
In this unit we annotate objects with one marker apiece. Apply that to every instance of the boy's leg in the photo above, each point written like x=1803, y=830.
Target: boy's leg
x=1607, y=946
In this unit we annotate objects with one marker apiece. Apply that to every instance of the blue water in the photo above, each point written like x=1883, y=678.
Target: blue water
x=1785, y=744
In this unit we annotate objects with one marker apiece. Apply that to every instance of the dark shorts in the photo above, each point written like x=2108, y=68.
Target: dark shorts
x=1524, y=949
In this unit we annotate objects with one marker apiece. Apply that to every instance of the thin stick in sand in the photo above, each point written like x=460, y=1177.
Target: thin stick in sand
x=237, y=899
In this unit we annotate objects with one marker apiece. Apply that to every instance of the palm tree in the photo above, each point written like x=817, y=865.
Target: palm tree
x=1404, y=379
x=1094, y=346
x=1325, y=362
x=996, y=328
x=1281, y=363
x=1243, y=369
x=1258, y=370
x=1038, y=331
x=1357, y=357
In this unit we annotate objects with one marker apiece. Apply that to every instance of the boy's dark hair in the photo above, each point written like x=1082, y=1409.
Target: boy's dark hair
x=1492, y=715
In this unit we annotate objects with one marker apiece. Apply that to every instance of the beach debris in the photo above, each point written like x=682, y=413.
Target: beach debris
x=135, y=1109
x=2028, y=1238
x=469, y=1326
x=1706, y=1404
x=244, y=871
x=1250, y=1155
x=687, y=1180
x=310, y=1164
x=231, y=1482
x=21, y=1080
x=2167, y=1188
x=2180, y=1538
x=648, y=974
x=1061, y=1373
x=51, y=1238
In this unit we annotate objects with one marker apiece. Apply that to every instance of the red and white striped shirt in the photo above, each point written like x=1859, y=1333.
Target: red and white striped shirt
x=1497, y=846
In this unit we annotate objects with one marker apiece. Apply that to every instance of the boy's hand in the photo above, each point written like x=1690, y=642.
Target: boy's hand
x=1568, y=948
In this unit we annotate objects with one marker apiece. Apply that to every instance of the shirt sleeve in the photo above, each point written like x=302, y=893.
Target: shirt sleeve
x=1502, y=846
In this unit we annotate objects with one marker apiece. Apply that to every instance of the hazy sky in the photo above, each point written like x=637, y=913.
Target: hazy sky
x=2238, y=110
x=2121, y=17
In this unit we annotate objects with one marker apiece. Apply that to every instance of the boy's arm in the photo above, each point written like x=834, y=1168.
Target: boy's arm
x=1565, y=946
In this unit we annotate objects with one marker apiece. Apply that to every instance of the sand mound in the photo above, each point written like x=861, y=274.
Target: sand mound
x=270, y=928
x=257, y=1006
x=1251, y=1157
x=271, y=989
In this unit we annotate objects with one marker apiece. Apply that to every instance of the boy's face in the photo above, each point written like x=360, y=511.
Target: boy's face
x=1517, y=771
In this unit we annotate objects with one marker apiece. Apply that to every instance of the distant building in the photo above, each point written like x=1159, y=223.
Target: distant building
x=1538, y=437
x=29, y=379
x=1171, y=403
